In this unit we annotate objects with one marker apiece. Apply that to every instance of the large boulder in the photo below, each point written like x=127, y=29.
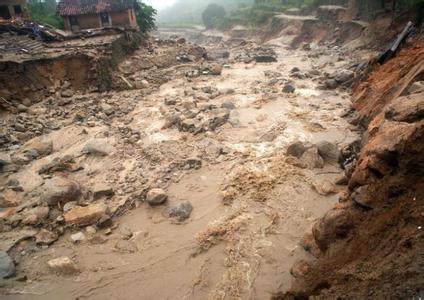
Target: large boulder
x=59, y=190
x=329, y=152
x=311, y=159
x=335, y=225
x=7, y=267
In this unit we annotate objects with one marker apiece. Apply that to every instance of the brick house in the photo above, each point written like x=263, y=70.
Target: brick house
x=11, y=9
x=90, y=14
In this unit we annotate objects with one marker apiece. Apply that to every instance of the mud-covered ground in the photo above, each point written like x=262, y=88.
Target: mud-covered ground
x=215, y=134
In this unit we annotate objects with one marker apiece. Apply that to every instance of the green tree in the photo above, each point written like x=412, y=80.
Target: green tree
x=44, y=11
x=146, y=17
x=212, y=15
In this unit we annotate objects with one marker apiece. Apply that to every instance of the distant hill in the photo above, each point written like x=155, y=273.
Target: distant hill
x=190, y=11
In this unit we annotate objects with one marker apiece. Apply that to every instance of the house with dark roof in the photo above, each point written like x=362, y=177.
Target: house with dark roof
x=91, y=14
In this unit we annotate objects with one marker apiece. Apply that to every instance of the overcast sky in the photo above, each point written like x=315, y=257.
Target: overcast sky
x=159, y=4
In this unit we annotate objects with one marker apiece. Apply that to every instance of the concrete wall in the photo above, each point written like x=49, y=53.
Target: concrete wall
x=122, y=19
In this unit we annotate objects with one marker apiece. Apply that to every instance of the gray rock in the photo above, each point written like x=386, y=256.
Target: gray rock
x=5, y=159
x=181, y=211
x=59, y=190
x=7, y=267
x=297, y=149
x=288, y=88
x=67, y=93
x=264, y=58
x=311, y=159
x=45, y=237
x=156, y=197
x=329, y=151
x=228, y=105
x=98, y=147
x=343, y=76
x=107, y=109
x=101, y=190
x=22, y=108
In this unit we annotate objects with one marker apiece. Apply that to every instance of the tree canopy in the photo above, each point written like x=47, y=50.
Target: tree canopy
x=213, y=14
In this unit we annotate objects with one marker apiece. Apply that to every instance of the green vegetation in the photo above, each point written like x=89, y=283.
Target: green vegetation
x=145, y=15
x=44, y=11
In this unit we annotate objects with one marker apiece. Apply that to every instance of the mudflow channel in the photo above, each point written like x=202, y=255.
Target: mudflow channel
x=252, y=203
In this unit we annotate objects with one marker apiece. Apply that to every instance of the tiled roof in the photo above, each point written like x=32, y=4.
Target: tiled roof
x=83, y=7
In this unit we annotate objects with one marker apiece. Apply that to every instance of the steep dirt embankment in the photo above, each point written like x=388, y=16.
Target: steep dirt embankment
x=371, y=245
x=79, y=67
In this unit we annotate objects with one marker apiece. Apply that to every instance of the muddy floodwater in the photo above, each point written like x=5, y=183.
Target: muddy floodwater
x=252, y=203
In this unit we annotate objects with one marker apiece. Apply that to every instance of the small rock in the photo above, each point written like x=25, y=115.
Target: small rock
x=63, y=265
x=193, y=163
x=59, y=190
x=85, y=215
x=5, y=159
x=90, y=230
x=300, y=269
x=215, y=69
x=7, y=267
x=9, y=198
x=288, y=88
x=67, y=93
x=42, y=146
x=341, y=179
x=45, y=237
x=181, y=211
x=343, y=76
x=69, y=205
x=264, y=58
x=77, y=237
x=22, y=108
x=98, y=147
x=416, y=87
x=104, y=222
x=361, y=196
x=107, y=109
x=101, y=190
x=311, y=159
x=156, y=197
x=126, y=232
x=324, y=187
x=36, y=215
x=228, y=105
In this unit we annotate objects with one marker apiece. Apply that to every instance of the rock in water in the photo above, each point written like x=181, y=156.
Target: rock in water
x=329, y=152
x=59, y=189
x=98, y=147
x=181, y=211
x=297, y=149
x=7, y=267
x=325, y=187
x=87, y=215
x=156, y=197
x=63, y=265
x=311, y=159
x=288, y=88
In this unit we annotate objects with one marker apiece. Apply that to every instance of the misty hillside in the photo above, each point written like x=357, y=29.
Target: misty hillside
x=190, y=11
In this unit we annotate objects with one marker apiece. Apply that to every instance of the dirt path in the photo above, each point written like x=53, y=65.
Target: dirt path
x=252, y=203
